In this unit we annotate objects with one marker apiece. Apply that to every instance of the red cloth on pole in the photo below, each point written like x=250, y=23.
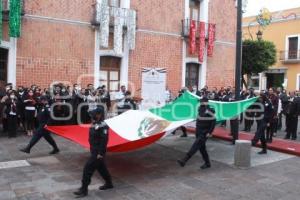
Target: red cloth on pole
x=201, y=41
x=192, y=37
x=211, y=39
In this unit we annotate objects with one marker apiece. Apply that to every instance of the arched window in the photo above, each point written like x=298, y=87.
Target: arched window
x=192, y=74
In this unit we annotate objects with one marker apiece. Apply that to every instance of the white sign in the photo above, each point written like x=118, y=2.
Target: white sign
x=153, y=87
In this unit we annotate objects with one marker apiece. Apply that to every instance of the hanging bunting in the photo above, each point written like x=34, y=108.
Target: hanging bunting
x=1, y=25
x=211, y=39
x=192, y=37
x=201, y=41
x=104, y=24
x=14, y=18
x=118, y=36
x=131, y=29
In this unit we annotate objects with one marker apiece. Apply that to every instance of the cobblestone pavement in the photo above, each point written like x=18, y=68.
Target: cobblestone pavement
x=150, y=173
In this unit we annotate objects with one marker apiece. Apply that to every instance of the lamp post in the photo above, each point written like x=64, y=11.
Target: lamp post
x=238, y=63
x=259, y=35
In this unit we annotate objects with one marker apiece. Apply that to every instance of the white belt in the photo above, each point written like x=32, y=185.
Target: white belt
x=29, y=108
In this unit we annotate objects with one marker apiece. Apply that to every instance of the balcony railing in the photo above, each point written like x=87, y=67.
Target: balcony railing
x=185, y=32
x=290, y=56
x=5, y=11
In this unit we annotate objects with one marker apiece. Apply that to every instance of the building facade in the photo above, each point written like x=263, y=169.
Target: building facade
x=62, y=41
x=284, y=31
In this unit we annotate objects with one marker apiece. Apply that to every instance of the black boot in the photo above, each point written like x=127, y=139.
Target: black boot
x=182, y=161
x=81, y=192
x=106, y=186
x=183, y=134
x=54, y=151
x=26, y=149
x=264, y=151
x=205, y=166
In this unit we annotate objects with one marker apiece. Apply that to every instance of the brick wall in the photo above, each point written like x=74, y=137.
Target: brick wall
x=160, y=52
x=54, y=50
x=221, y=67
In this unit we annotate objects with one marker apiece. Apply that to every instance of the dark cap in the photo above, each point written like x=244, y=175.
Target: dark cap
x=43, y=98
x=98, y=110
x=204, y=99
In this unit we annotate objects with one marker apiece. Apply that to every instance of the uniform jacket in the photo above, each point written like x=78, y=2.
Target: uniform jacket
x=98, y=138
x=206, y=120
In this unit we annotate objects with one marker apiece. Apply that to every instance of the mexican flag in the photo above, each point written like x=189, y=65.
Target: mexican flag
x=135, y=129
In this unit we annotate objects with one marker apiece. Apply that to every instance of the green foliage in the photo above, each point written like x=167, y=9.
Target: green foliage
x=258, y=56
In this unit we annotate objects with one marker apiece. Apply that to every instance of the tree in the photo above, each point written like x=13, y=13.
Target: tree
x=258, y=56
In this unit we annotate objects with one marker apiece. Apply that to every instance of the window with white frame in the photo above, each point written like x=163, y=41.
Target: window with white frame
x=293, y=47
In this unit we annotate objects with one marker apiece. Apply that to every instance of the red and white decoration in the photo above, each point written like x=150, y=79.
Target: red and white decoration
x=192, y=37
x=201, y=41
x=211, y=39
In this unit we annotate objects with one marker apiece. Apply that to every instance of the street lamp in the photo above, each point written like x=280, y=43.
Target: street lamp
x=238, y=63
x=259, y=35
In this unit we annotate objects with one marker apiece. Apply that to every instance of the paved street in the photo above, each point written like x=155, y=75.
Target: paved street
x=151, y=173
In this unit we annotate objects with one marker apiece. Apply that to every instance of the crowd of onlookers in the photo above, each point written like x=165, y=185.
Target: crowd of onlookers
x=284, y=106
x=71, y=105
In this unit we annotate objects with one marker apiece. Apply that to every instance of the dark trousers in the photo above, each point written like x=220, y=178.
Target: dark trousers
x=182, y=128
x=271, y=130
x=91, y=165
x=260, y=134
x=292, y=125
x=279, y=125
x=38, y=134
x=249, y=119
x=12, y=125
x=4, y=125
x=29, y=120
x=234, y=129
x=200, y=144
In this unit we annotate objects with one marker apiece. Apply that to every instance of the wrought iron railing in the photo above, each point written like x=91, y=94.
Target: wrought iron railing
x=290, y=56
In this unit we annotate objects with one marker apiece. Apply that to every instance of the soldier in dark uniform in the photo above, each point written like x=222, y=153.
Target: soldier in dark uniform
x=292, y=117
x=44, y=119
x=205, y=125
x=98, y=139
x=249, y=114
x=272, y=129
x=263, y=116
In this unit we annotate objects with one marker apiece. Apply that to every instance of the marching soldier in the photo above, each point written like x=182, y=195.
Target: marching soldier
x=43, y=119
x=263, y=118
x=98, y=139
x=205, y=125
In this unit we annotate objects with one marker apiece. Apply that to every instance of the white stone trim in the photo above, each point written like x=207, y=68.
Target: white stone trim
x=298, y=82
x=97, y=61
x=158, y=32
x=183, y=64
x=60, y=20
x=204, y=9
x=124, y=64
x=11, y=46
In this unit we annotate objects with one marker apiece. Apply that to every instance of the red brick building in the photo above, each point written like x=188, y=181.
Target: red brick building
x=61, y=41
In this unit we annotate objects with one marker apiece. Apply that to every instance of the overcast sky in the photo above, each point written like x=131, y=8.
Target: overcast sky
x=254, y=6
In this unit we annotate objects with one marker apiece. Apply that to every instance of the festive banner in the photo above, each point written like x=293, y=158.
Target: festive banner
x=14, y=18
x=135, y=129
x=118, y=36
x=192, y=37
x=131, y=28
x=211, y=39
x=104, y=24
x=201, y=41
